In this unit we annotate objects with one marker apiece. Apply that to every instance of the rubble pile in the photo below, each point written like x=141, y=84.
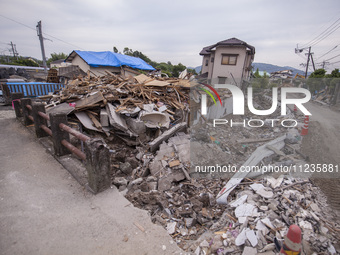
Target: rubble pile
x=143, y=121
x=135, y=109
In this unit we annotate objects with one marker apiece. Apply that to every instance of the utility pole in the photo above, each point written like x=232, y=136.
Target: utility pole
x=41, y=39
x=14, y=50
x=307, y=63
x=324, y=63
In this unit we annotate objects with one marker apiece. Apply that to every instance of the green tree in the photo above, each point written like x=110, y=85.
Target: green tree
x=56, y=56
x=115, y=50
x=318, y=73
x=177, y=69
x=257, y=74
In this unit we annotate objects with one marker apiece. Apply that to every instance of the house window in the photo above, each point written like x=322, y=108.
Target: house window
x=206, y=62
x=212, y=60
x=222, y=80
x=228, y=59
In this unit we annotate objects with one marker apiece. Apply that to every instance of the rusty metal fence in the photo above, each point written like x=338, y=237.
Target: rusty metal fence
x=96, y=154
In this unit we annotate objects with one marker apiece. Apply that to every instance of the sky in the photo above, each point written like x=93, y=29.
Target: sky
x=176, y=30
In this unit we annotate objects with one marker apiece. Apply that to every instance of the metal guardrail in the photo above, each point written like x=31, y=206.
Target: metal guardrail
x=28, y=89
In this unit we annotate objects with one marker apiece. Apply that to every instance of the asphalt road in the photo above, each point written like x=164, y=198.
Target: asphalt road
x=43, y=210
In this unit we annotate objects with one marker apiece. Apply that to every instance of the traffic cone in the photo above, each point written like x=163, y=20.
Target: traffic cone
x=292, y=241
x=295, y=108
x=304, y=130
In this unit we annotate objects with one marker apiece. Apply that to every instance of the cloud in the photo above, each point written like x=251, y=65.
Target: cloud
x=173, y=31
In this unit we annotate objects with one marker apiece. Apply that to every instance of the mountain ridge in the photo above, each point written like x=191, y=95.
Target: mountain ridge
x=269, y=68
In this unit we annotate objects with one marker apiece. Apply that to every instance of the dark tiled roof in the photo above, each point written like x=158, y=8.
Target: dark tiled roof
x=229, y=42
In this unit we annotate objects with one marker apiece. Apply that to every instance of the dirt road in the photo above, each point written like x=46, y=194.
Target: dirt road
x=322, y=145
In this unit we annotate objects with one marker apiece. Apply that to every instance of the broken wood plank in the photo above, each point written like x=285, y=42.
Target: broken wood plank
x=94, y=120
x=91, y=100
x=154, y=145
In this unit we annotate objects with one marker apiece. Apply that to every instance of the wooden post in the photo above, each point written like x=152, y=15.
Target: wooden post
x=16, y=103
x=38, y=120
x=25, y=111
x=57, y=134
x=97, y=164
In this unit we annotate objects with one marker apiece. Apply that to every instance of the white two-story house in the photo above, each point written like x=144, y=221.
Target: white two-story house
x=228, y=61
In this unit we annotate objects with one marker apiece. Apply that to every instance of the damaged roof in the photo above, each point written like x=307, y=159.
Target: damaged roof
x=108, y=58
x=229, y=42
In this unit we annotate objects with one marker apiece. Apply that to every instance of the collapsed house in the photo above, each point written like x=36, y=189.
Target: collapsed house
x=99, y=62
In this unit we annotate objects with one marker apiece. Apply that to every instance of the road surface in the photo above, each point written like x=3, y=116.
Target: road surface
x=43, y=210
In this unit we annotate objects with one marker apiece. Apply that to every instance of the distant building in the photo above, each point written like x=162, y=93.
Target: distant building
x=228, y=61
x=99, y=62
x=285, y=74
x=59, y=63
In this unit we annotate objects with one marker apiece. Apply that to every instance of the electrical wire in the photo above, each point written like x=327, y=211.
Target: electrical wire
x=329, y=51
x=332, y=28
x=333, y=57
x=43, y=32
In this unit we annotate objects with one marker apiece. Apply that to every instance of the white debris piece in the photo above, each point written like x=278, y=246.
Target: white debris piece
x=331, y=249
x=275, y=183
x=262, y=190
x=245, y=210
x=239, y=201
x=249, y=251
x=171, y=227
x=305, y=225
x=261, y=227
x=241, y=238
x=267, y=222
x=250, y=234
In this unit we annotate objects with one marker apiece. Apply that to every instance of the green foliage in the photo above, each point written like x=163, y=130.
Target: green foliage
x=177, y=69
x=319, y=80
x=257, y=74
x=193, y=71
x=115, y=50
x=165, y=67
x=319, y=73
x=260, y=83
x=20, y=61
x=56, y=56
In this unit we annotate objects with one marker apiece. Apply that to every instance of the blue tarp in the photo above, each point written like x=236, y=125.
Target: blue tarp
x=108, y=58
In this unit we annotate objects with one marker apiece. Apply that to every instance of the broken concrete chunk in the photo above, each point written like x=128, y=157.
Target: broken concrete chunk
x=245, y=210
x=116, y=120
x=250, y=234
x=249, y=251
x=171, y=227
x=268, y=223
x=262, y=190
x=305, y=225
x=241, y=238
x=239, y=201
x=104, y=118
x=137, y=126
x=275, y=183
x=120, y=181
x=204, y=244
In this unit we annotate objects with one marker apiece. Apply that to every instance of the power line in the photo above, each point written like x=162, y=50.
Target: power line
x=326, y=35
x=17, y=22
x=43, y=33
x=333, y=57
x=329, y=51
x=332, y=28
